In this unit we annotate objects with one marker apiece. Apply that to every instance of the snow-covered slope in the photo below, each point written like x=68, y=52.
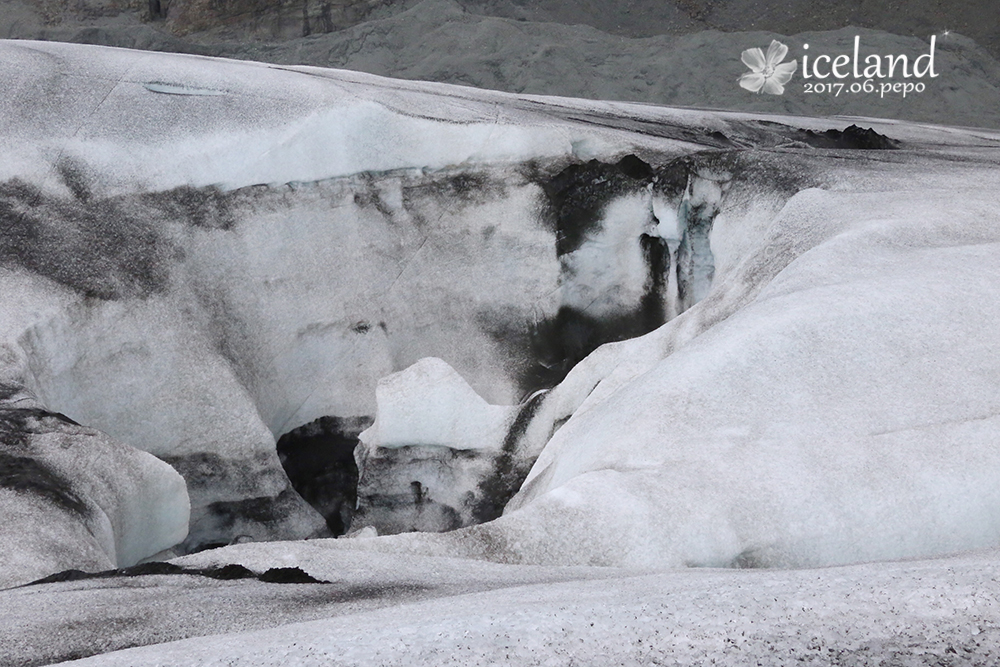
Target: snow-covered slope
x=846, y=412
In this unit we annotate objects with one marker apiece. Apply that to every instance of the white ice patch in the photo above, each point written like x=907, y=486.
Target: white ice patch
x=608, y=273
x=429, y=403
x=668, y=225
x=707, y=188
x=423, y=462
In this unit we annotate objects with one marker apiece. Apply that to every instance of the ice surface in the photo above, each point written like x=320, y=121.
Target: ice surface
x=306, y=124
x=429, y=403
x=217, y=270
x=843, y=414
x=272, y=270
x=433, y=447
x=924, y=613
x=830, y=399
x=73, y=498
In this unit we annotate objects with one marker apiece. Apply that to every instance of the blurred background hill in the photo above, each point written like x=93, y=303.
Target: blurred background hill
x=673, y=52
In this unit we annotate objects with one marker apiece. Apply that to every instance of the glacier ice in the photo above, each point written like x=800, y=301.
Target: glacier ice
x=695, y=261
x=832, y=399
x=843, y=411
x=199, y=275
x=406, y=610
x=425, y=462
x=430, y=404
x=72, y=498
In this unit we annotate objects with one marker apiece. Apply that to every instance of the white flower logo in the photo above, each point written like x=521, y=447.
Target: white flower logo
x=766, y=73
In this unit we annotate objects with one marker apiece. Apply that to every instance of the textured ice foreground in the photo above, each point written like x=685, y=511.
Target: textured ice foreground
x=437, y=611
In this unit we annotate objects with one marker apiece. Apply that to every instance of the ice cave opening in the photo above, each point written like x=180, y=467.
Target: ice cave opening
x=318, y=458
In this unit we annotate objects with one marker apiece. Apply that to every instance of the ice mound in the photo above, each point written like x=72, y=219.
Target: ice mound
x=429, y=403
x=846, y=413
x=73, y=498
x=430, y=457
x=833, y=399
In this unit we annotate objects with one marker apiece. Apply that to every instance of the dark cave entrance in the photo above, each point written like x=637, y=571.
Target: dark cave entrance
x=318, y=458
